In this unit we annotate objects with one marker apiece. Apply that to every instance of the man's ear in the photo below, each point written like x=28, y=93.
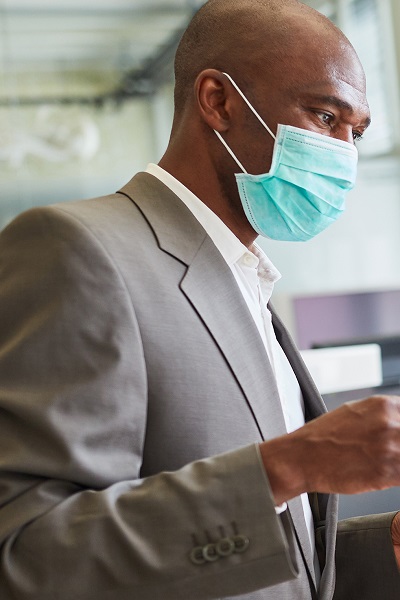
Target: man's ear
x=214, y=99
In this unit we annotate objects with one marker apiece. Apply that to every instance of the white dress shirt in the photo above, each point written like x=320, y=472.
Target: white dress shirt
x=255, y=276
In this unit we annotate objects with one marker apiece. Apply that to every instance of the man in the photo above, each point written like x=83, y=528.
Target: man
x=147, y=391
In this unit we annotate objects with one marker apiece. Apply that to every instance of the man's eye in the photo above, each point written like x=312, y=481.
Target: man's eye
x=326, y=118
x=357, y=136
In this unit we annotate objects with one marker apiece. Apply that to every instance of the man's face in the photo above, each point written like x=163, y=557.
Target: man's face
x=317, y=91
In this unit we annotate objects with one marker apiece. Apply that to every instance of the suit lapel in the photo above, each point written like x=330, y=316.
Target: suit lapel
x=212, y=290
x=210, y=287
x=315, y=406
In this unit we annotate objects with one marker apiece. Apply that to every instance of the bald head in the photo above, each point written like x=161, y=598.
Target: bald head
x=248, y=39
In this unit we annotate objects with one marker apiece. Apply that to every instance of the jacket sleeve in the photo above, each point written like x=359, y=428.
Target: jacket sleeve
x=76, y=519
x=366, y=566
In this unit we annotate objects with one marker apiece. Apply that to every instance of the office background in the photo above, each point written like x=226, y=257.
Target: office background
x=86, y=100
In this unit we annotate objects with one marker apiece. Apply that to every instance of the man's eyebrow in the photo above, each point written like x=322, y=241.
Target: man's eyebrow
x=335, y=101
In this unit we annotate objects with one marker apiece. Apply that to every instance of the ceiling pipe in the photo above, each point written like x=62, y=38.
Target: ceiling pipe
x=144, y=82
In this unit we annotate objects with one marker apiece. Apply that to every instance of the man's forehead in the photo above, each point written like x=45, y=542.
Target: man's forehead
x=339, y=93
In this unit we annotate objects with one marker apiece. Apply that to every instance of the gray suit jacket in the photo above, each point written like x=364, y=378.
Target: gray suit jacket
x=134, y=389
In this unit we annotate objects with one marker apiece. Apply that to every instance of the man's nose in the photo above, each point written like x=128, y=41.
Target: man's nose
x=345, y=134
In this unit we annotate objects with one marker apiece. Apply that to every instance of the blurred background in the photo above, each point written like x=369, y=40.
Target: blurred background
x=86, y=100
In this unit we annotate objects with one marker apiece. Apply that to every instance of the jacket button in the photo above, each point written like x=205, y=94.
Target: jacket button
x=196, y=556
x=225, y=547
x=210, y=553
x=241, y=543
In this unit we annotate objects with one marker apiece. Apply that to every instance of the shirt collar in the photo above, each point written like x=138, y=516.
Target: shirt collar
x=267, y=273
x=266, y=269
x=224, y=239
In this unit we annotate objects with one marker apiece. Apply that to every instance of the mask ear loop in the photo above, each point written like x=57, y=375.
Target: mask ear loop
x=249, y=105
x=239, y=164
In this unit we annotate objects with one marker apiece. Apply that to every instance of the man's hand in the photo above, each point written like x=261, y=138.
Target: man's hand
x=353, y=449
x=396, y=537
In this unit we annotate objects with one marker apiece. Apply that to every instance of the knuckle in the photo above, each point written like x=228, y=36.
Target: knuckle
x=383, y=410
x=386, y=464
x=383, y=474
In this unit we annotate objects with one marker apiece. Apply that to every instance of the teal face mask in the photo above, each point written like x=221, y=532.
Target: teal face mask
x=304, y=191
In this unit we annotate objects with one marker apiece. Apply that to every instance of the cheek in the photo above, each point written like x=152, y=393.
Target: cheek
x=259, y=156
x=298, y=117
x=258, y=151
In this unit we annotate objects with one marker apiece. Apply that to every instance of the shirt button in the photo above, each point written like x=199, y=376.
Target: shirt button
x=248, y=259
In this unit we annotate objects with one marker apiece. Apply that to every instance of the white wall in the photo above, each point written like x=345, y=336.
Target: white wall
x=127, y=144
x=130, y=135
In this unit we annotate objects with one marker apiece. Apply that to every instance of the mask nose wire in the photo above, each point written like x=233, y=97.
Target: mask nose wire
x=253, y=110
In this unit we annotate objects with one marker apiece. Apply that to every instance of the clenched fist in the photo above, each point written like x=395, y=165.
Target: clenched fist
x=353, y=449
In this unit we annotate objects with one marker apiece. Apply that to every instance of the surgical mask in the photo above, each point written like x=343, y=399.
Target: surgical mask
x=304, y=191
